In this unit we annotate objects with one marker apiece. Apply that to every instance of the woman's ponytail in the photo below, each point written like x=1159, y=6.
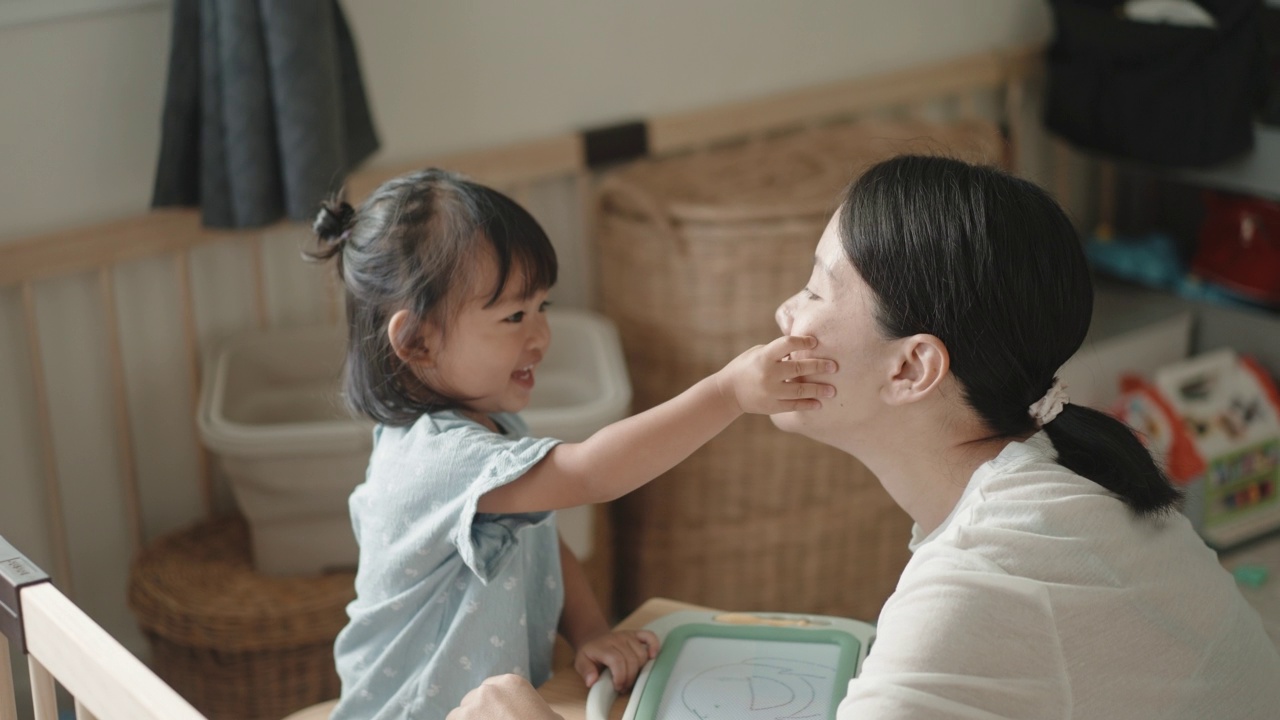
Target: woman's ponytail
x=1105, y=450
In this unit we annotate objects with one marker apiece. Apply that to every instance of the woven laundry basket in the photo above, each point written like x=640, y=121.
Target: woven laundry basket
x=695, y=253
x=237, y=644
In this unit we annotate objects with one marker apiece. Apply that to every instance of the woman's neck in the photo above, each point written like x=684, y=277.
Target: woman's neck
x=926, y=466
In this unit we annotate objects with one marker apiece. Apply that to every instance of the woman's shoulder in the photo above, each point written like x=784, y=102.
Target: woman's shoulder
x=1018, y=508
x=1034, y=518
x=1028, y=471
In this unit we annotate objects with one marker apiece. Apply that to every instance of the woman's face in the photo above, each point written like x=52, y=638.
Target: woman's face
x=838, y=308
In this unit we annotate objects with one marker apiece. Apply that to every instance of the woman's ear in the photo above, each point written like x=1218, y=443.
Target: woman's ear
x=409, y=343
x=920, y=364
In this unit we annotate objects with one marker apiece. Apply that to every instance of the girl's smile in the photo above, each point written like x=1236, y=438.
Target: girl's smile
x=524, y=376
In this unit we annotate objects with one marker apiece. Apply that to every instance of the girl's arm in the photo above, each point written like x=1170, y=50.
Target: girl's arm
x=631, y=452
x=581, y=620
x=584, y=626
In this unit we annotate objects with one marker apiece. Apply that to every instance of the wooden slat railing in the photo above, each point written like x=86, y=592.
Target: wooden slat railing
x=65, y=646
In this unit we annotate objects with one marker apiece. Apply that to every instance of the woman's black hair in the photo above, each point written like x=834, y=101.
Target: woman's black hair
x=991, y=265
x=413, y=245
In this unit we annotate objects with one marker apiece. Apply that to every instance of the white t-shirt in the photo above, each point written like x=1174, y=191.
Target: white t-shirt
x=1043, y=596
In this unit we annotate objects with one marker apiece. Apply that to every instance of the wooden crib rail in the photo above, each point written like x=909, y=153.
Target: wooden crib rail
x=66, y=646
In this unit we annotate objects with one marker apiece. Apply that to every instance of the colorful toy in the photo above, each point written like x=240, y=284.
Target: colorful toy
x=1251, y=576
x=1214, y=421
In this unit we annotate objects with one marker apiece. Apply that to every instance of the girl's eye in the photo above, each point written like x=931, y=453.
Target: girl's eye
x=809, y=295
x=519, y=317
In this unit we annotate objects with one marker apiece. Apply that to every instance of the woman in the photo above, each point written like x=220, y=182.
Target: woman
x=1051, y=575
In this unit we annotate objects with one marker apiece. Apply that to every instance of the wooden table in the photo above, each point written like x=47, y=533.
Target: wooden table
x=565, y=690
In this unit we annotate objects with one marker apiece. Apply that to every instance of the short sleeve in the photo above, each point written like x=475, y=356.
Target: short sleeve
x=484, y=540
x=963, y=642
x=416, y=510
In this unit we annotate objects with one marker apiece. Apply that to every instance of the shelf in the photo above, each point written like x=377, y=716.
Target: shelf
x=1121, y=307
x=1137, y=330
x=1256, y=174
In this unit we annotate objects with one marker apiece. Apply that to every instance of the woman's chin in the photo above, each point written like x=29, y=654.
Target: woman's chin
x=792, y=422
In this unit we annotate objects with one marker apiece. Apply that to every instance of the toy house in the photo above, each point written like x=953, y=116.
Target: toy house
x=1214, y=422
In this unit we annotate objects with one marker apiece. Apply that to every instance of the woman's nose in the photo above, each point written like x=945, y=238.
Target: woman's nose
x=783, y=316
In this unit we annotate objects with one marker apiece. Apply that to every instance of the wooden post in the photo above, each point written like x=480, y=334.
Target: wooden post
x=43, y=697
x=53, y=492
x=120, y=394
x=82, y=712
x=191, y=342
x=8, y=702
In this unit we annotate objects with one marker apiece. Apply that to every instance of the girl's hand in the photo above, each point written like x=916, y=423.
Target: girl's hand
x=764, y=379
x=624, y=652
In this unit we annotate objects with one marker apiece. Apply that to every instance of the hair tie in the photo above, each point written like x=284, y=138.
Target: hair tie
x=334, y=222
x=1044, y=410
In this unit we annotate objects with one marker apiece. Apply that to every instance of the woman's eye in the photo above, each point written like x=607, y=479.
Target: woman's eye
x=810, y=295
x=518, y=317
x=543, y=307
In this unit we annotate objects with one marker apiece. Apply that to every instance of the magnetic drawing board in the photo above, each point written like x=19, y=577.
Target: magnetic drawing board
x=742, y=666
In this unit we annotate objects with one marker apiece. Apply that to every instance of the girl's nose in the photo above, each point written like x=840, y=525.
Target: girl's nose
x=783, y=316
x=542, y=331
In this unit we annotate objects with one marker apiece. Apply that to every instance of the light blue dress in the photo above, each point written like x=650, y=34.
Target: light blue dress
x=445, y=596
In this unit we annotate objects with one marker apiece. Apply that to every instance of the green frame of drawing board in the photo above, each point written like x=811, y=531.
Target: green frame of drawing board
x=656, y=686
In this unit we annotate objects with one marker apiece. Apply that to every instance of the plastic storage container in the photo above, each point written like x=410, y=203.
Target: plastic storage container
x=271, y=415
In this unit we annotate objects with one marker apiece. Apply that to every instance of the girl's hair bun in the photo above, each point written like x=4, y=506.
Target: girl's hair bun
x=333, y=222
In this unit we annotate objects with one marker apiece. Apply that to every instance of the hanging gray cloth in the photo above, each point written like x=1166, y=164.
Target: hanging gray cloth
x=265, y=111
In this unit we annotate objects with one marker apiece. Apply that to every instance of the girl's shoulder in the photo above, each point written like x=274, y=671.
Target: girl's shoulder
x=448, y=430
x=447, y=452
x=455, y=422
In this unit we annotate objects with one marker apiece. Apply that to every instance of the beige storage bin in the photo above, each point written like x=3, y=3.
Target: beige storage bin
x=271, y=415
x=695, y=253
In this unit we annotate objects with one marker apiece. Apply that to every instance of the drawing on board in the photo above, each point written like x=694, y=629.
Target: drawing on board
x=727, y=679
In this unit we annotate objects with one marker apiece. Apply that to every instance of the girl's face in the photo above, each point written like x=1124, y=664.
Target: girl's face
x=489, y=355
x=838, y=308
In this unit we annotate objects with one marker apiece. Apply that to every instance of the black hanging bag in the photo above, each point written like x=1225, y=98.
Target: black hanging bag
x=1159, y=93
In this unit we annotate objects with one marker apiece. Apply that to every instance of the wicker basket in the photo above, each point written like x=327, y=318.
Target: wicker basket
x=234, y=643
x=695, y=253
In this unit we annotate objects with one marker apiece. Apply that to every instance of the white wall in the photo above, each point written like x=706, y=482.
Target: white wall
x=79, y=135
x=82, y=96
x=449, y=76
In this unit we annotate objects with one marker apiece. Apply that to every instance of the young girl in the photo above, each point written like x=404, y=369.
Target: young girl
x=461, y=573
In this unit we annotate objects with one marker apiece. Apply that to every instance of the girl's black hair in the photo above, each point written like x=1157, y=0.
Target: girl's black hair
x=414, y=245
x=992, y=266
